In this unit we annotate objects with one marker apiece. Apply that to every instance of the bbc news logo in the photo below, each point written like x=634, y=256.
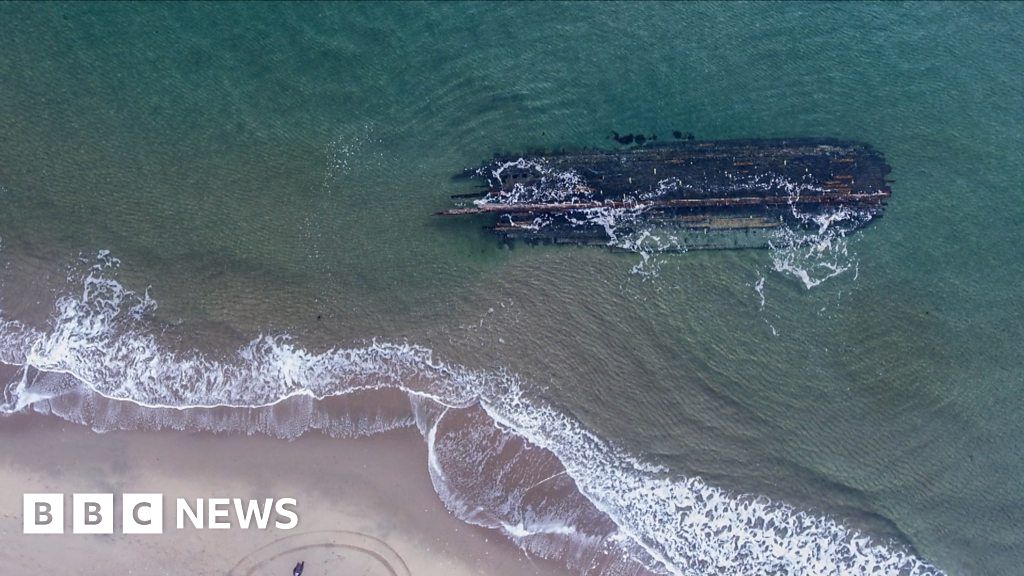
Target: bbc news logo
x=144, y=513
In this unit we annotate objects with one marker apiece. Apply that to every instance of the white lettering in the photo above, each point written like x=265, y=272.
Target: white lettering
x=217, y=508
x=194, y=516
x=280, y=508
x=253, y=510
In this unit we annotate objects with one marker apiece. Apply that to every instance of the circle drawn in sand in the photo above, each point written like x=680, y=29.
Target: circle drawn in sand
x=333, y=550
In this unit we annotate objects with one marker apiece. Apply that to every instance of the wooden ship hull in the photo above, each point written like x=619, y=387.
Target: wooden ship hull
x=703, y=194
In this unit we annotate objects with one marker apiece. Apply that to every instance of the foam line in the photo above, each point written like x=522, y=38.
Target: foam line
x=603, y=511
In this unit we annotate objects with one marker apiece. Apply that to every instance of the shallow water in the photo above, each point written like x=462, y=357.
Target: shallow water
x=271, y=170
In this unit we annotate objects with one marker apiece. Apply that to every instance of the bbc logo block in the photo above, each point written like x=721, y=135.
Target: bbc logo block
x=142, y=513
x=43, y=513
x=92, y=513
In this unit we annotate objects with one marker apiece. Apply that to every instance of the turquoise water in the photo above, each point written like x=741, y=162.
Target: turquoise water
x=271, y=169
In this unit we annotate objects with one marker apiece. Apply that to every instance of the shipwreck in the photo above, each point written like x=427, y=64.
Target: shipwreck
x=702, y=194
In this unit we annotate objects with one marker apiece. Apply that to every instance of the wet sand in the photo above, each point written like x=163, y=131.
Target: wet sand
x=366, y=506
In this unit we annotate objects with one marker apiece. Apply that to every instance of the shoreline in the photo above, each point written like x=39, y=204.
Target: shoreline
x=381, y=492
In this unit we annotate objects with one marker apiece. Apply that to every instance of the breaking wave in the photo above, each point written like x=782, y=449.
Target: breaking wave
x=498, y=457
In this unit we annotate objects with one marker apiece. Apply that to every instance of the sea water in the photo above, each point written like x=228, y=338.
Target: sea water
x=219, y=218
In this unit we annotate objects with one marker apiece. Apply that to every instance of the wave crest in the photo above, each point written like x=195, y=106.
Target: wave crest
x=497, y=456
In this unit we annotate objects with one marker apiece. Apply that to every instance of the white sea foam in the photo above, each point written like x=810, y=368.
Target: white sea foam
x=549, y=184
x=819, y=249
x=97, y=349
x=689, y=527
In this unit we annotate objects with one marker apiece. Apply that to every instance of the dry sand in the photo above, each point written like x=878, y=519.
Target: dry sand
x=366, y=506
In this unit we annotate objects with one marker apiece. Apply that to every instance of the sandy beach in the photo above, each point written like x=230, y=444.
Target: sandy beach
x=366, y=506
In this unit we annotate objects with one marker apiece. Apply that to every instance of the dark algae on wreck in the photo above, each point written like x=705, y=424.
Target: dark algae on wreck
x=708, y=194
